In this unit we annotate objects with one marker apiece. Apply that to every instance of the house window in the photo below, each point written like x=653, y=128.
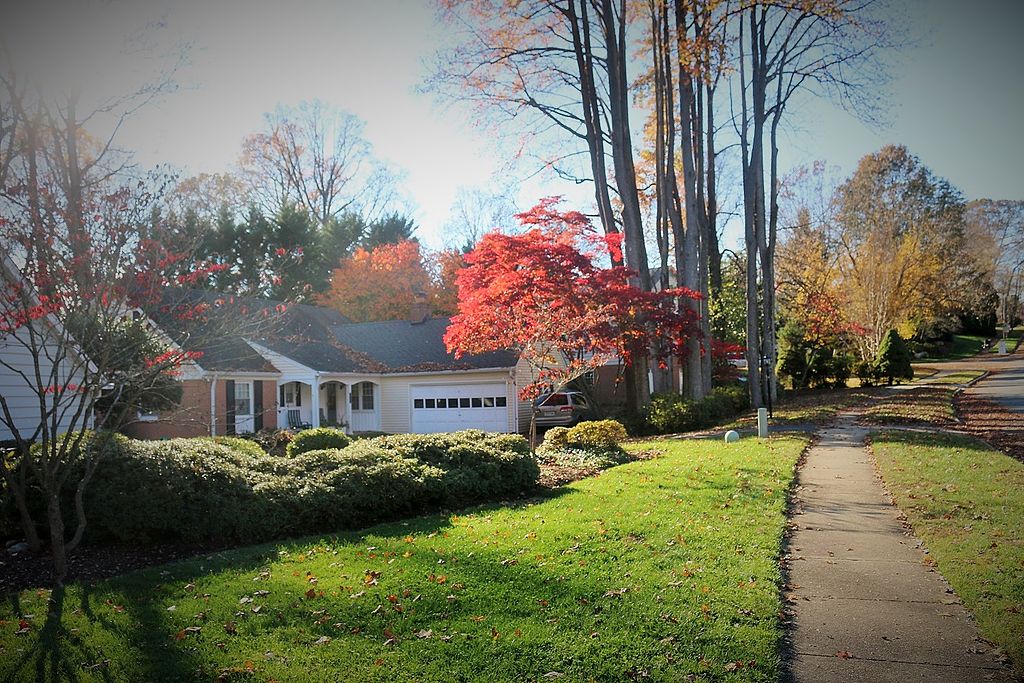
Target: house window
x=488, y=402
x=463, y=402
x=148, y=416
x=478, y=402
x=289, y=394
x=417, y=403
x=367, y=396
x=499, y=401
x=243, y=398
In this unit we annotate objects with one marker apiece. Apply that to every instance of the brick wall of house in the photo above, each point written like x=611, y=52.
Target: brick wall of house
x=192, y=417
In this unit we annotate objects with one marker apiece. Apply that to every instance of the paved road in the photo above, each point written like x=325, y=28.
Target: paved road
x=866, y=607
x=1006, y=383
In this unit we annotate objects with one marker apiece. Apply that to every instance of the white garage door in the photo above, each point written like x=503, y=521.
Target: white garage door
x=451, y=407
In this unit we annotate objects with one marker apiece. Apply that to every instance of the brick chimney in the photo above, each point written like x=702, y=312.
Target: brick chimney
x=420, y=310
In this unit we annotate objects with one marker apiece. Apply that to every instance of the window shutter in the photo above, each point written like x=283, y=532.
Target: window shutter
x=298, y=395
x=229, y=409
x=280, y=399
x=257, y=405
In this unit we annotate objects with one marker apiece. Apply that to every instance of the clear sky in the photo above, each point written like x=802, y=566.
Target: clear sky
x=957, y=95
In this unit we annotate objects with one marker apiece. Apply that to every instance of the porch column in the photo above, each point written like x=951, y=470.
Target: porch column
x=348, y=407
x=314, y=402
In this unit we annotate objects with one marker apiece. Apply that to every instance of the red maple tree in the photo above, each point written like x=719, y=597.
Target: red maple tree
x=546, y=295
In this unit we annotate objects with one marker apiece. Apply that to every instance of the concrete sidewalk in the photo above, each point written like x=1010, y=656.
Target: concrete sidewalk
x=866, y=604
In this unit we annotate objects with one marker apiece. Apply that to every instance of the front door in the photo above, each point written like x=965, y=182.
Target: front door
x=363, y=401
x=244, y=422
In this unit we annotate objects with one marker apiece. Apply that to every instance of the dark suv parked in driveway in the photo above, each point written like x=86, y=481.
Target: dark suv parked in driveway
x=561, y=409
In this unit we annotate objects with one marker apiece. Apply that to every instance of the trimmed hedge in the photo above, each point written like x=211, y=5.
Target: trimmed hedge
x=207, y=489
x=317, y=439
x=478, y=465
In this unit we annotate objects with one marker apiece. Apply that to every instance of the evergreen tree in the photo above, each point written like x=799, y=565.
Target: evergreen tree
x=391, y=229
x=893, y=359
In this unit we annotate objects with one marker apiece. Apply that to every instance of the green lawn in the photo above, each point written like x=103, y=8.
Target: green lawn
x=1013, y=341
x=966, y=502
x=961, y=346
x=660, y=568
x=962, y=377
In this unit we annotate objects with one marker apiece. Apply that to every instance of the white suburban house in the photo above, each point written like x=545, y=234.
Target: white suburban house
x=314, y=367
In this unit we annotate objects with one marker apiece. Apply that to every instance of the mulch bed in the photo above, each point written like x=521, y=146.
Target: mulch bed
x=91, y=563
x=553, y=476
x=993, y=423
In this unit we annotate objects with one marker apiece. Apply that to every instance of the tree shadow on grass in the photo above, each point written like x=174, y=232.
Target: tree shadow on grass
x=142, y=644
x=54, y=655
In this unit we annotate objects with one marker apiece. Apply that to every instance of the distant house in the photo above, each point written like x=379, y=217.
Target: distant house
x=314, y=367
x=41, y=345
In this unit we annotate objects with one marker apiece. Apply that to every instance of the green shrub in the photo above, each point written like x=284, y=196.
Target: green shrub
x=596, y=434
x=237, y=443
x=228, y=489
x=557, y=437
x=593, y=445
x=807, y=363
x=892, y=362
x=317, y=439
x=866, y=373
x=671, y=413
x=476, y=465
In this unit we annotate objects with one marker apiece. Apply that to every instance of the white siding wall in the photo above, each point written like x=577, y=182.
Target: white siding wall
x=290, y=370
x=21, y=396
x=396, y=401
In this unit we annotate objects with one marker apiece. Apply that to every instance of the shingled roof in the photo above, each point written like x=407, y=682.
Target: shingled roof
x=315, y=336
x=404, y=346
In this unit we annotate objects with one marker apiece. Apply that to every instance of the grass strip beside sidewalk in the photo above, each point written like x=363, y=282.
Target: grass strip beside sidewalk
x=656, y=569
x=914, y=404
x=965, y=501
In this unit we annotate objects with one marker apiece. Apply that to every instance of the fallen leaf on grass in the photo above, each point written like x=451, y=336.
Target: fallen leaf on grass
x=425, y=633
x=185, y=632
x=322, y=640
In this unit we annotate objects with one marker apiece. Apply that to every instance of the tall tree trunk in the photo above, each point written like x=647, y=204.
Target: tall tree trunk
x=714, y=249
x=753, y=351
x=662, y=128
x=580, y=23
x=614, y=29
x=692, y=368
x=770, y=333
